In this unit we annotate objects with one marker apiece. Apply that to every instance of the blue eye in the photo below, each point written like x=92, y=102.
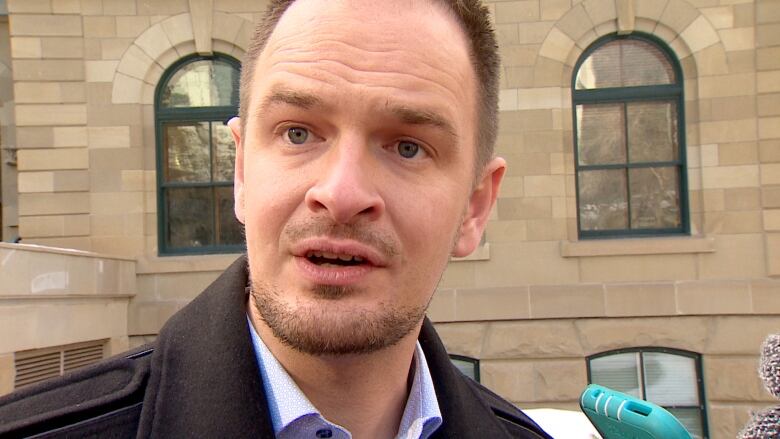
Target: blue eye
x=297, y=135
x=408, y=149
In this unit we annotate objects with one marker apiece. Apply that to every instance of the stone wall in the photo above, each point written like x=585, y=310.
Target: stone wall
x=54, y=297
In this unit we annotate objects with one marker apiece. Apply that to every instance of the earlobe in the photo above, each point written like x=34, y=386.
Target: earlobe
x=481, y=203
x=238, y=180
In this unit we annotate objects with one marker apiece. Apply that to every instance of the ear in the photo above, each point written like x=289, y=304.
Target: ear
x=478, y=211
x=238, y=179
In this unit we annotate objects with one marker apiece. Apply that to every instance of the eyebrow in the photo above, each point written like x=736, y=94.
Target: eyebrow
x=299, y=99
x=413, y=116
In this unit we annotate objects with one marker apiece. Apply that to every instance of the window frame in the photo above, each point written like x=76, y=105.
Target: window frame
x=473, y=361
x=665, y=92
x=670, y=351
x=165, y=115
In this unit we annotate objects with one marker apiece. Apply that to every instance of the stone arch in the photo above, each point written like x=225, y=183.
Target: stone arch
x=687, y=32
x=162, y=44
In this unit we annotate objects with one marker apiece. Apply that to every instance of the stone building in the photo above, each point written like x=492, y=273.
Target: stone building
x=636, y=240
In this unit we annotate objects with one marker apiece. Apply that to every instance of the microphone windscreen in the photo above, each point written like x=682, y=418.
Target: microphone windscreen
x=764, y=425
x=769, y=369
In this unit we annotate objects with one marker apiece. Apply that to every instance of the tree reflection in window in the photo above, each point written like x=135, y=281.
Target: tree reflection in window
x=196, y=156
x=630, y=160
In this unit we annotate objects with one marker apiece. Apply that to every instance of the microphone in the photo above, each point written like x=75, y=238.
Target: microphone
x=766, y=423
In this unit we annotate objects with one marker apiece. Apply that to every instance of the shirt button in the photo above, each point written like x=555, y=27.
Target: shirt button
x=324, y=433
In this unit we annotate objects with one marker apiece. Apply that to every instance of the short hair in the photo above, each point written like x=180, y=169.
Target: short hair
x=474, y=19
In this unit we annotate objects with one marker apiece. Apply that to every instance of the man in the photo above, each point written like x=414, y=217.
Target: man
x=363, y=162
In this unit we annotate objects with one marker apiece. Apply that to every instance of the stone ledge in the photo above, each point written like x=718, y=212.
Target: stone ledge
x=61, y=251
x=33, y=297
x=184, y=264
x=637, y=246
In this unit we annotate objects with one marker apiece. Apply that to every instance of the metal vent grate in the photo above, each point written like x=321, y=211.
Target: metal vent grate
x=41, y=364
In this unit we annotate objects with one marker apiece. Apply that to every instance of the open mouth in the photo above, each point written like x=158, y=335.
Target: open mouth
x=334, y=259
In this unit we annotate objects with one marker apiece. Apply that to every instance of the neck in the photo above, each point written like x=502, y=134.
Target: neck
x=364, y=393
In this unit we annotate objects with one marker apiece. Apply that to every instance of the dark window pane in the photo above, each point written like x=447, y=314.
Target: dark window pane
x=623, y=63
x=468, y=368
x=691, y=420
x=230, y=230
x=224, y=152
x=602, y=200
x=652, y=132
x=190, y=217
x=205, y=83
x=618, y=372
x=670, y=380
x=600, y=134
x=655, y=201
x=187, y=151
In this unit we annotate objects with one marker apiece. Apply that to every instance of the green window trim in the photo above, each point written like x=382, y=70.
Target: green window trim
x=467, y=365
x=669, y=93
x=654, y=350
x=171, y=112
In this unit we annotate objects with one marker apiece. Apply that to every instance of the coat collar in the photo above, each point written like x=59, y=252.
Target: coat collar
x=205, y=381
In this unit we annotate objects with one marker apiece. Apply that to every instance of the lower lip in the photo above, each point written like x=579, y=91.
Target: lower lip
x=332, y=274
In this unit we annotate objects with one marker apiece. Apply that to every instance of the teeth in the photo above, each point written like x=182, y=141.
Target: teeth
x=329, y=255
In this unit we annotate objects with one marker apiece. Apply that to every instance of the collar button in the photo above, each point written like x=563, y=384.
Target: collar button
x=324, y=433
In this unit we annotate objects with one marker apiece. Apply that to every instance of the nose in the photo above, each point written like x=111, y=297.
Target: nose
x=347, y=187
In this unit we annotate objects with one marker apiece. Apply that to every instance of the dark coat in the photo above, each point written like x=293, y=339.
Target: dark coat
x=200, y=379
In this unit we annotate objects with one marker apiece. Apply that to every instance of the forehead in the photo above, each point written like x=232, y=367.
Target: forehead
x=377, y=41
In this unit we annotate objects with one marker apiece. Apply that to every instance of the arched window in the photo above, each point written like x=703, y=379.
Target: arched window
x=467, y=365
x=196, y=155
x=629, y=139
x=668, y=377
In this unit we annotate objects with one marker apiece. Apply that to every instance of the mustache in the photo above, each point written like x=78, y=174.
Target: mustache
x=324, y=227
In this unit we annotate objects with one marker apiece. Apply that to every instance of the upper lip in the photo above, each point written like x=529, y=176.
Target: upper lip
x=339, y=247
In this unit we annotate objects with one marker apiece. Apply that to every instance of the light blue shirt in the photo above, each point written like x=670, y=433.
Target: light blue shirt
x=295, y=417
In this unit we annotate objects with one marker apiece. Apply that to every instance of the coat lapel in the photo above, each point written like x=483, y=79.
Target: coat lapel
x=204, y=378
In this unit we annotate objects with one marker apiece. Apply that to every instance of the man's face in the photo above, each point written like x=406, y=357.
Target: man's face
x=354, y=177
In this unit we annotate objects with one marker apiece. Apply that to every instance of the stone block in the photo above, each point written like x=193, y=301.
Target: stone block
x=539, y=98
x=768, y=35
x=601, y=335
x=114, y=48
x=772, y=243
x=770, y=173
x=768, y=58
x=743, y=384
x=742, y=84
x=517, y=11
x=567, y=301
x=575, y=23
x=507, y=100
x=43, y=115
x=507, y=231
x=35, y=182
x=46, y=159
x=544, y=186
x=524, y=208
x=135, y=63
x=45, y=25
x=514, y=380
x=742, y=153
x=132, y=180
x=100, y=71
x=772, y=220
x=108, y=137
x=551, y=10
x=768, y=82
x=118, y=7
x=178, y=29
x=440, y=309
x=37, y=92
x=48, y=70
x=770, y=196
x=768, y=104
x=547, y=267
x=643, y=299
x=99, y=27
x=69, y=136
x=531, y=339
x=769, y=150
x=127, y=90
x=226, y=27
x=151, y=7
x=547, y=230
x=769, y=127
x=736, y=335
x=742, y=199
x=732, y=108
x=680, y=17
x=721, y=17
x=148, y=317
x=66, y=7
x=62, y=47
x=549, y=75
x=7, y=373
x=721, y=297
x=557, y=46
x=131, y=26
x=116, y=202
x=458, y=275
x=491, y=303
x=71, y=181
x=600, y=11
x=559, y=380
x=533, y=33
x=641, y=268
x=728, y=131
x=741, y=61
x=739, y=222
x=26, y=6
x=765, y=293
x=518, y=55
x=738, y=39
x=744, y=15
x=463, y=338
x=767, y=11
x=710, y=61
x=53, y=203
x=26, y=47
x=33, y=137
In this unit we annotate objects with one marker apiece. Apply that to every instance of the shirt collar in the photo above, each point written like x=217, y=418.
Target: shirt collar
x=287, y=404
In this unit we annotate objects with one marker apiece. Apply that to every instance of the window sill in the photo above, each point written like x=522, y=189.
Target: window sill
x=482, y=253
x=637, y=246
x=183, y=264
